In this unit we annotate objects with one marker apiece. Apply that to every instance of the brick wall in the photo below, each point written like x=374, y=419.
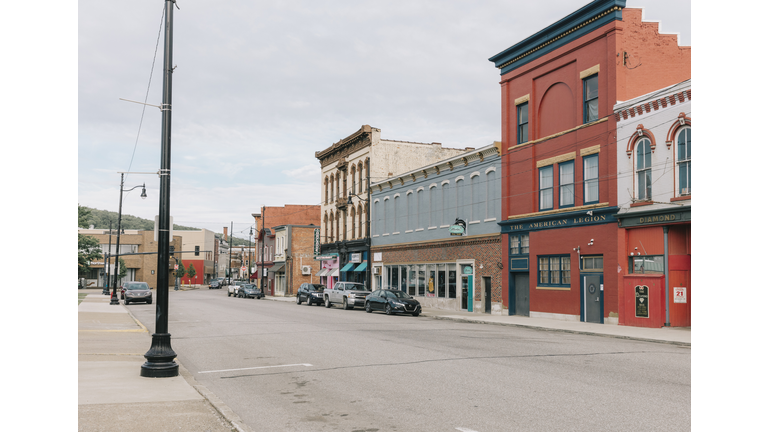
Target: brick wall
x=289, y=215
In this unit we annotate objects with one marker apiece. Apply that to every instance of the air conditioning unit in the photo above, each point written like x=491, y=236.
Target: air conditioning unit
x=305, y=270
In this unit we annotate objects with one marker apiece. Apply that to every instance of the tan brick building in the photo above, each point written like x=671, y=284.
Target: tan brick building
x=140, y=267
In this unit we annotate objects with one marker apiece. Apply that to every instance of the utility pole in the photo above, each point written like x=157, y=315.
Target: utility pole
x=160, y=357
x=231, y=245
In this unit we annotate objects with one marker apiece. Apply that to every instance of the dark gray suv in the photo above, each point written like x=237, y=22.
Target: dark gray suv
x=310, y=293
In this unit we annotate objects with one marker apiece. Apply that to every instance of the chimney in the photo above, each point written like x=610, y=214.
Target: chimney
x=225, y=234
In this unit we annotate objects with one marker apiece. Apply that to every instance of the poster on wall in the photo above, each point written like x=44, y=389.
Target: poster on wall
x=681, y=296
x=641, y=301
x=431, y=287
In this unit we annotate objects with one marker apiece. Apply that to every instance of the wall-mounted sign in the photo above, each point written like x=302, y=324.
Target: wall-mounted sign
x=355, y=257
x=641, y=301
x=459, y=228
x=681, y=296
x=317, y=241
x=377, y=256
x=467, y=270
x=326, y=257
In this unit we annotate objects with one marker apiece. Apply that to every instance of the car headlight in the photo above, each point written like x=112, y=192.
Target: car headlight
x=398, y=304
x=352, y=296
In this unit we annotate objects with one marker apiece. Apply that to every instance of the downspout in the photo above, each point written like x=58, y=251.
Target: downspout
x=666, y=274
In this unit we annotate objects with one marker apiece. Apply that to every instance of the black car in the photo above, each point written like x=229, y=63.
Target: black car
x=249, y=291
x=391, y=302
x=310, y=293
x=214, y=284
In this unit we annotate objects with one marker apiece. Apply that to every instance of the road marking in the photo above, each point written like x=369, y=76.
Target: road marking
x=257, y=367
x=465, y=429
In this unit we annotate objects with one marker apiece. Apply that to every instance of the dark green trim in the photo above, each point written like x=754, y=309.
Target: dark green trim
x=665, y=216
x=572, y=219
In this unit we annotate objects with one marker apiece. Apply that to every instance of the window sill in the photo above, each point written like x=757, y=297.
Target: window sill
x=640, y=204
x=419, y=229
x=408, y=231
x=490, y=220
x=395, y=233
x=431, y=228
x=474, y=222
x=376, y=235
x=682, y=198
x=445, y=226
x=553, y=288
x=384, y=235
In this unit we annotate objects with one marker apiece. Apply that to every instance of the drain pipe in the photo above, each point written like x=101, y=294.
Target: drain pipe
x=666, y=274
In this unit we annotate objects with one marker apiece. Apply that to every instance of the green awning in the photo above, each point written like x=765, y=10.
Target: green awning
x=362, y=267
x=347, y=267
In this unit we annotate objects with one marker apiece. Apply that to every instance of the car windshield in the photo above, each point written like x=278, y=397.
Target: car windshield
x=315, y=287
x=358, y=287
x=137, y=286
x=400, y=294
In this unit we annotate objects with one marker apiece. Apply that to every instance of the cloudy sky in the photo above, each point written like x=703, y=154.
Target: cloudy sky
x=260, y=86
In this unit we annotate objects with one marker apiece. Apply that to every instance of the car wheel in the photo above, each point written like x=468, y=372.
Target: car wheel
x=229, y=293
x=344, y=303
x=389, y=310
x=415, y=314
x=309, y=301
x=298, y=299
x=126, y=302
x=327, y=302
x=368, y=307
x=149, y=301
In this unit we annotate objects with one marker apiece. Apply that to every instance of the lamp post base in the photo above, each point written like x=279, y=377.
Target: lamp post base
x=160, y=357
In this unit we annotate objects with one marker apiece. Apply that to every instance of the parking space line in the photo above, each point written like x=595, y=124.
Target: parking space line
x=257, y=367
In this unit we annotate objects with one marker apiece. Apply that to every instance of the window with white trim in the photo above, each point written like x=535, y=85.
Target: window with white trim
x=643, y=169
x=684, y=161
x=591, y=184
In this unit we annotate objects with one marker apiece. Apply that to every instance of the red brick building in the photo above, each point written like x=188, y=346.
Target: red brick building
x=559, y=188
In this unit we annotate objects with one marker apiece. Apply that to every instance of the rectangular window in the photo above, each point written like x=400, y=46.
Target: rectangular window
x=647, y=264
x=522, y=123
x=590, y=99
x=452, y=283
x=592, y=263
x=441, y=280
x=567, y=192
x=518, y=244
x=545, y=188
x=403, y=278
x=684, y=161
x=422, y=279
x=591, y=185
x=432, y=281
x=555, y=271
x=412, y=281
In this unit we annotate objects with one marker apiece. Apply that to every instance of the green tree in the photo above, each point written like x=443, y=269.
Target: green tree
x=191, y=272
x=122, y=271
x=87, y=246
x=181, y=271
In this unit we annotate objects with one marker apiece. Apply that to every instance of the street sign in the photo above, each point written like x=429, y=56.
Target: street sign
x=681, y=295
x=175, y=266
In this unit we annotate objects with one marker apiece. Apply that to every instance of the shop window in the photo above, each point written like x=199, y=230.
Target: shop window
x=422, y=279
x=566, y=186
x=546, y=188
x=522, y=123
x=441, y=280
x=590, y=99
x=555, y=271
x=684, y=161
x=591, y=184
x=643, y=170
x=451, y=282
x=403, y=278
x=518, y=244
x=412, y=281
x=646, y=264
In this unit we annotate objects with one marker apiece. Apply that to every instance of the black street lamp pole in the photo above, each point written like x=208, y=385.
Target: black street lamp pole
x=160, y=357
x=114, y=300
x=368, y=225
x=105, y=291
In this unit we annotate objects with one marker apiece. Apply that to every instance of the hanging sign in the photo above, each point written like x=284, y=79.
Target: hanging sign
x=459, y=228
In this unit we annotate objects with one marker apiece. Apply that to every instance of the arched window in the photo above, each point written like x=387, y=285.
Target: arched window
x=338, y=217
x=683, y=158
x=330, y=237
x=360, y=175
x=490, y=194
x=352, y=171
x=396, y=214
x=331, y=187
x=338, y=186
x=326, y=189
x=325, y=227
x=360, y=220
x=643, y=169
x=445, y=204
x=352, y=217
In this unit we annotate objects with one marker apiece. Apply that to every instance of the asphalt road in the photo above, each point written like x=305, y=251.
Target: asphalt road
x=284, y=367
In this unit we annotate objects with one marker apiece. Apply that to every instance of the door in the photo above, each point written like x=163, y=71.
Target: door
x=464, y=291
x=522, y=303
x=487, y=291
x=592, y=308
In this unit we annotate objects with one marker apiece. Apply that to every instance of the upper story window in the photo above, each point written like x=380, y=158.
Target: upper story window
x=546, y=187
x=518, y=244
x=590, y=99
x=684, y=161
x=197, y=250
x=522, y=123
x=567, y=191
x=643, y=170
x=591, y=184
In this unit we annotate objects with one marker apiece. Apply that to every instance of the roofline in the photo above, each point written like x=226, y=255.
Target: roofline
x=575, y=25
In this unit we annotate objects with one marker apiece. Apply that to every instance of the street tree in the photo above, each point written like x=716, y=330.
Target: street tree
x=87, y=246
x=191, y=272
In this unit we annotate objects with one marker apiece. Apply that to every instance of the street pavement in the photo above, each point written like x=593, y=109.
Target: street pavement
x=112, y=396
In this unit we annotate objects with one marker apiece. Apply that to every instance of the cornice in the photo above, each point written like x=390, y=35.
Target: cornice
x=346, y=146
x=579, y=23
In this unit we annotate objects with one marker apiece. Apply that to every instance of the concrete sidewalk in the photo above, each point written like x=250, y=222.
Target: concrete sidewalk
x=113, y=396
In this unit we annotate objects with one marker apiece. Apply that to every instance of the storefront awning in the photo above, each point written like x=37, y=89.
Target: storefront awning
x=334, y=273
x=361, y=267
x=322, y=272
x=347, y=267
x=277, y=269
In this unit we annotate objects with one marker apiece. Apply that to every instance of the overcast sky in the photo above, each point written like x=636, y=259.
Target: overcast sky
x=260, y=86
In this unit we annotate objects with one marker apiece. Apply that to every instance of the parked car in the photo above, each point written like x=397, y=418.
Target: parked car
x=310, y=293
x=249, y=291
x=391, y=302
x=214, y=284
x=122, y=292
x=348, y=294
x=233, y=289
x=137, y=291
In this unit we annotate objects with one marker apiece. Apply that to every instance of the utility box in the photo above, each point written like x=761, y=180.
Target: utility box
x=644, y=303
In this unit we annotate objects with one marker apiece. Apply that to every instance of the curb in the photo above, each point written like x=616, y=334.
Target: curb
x=473, y=321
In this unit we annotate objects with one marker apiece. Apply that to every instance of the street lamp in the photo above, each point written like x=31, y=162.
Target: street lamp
x=367, y=227
x=114, y=300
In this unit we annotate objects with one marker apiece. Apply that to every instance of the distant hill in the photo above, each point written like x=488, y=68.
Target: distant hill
x=100, y=220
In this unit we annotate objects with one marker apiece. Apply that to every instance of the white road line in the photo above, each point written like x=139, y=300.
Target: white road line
x=257, y=367
x=465, y=429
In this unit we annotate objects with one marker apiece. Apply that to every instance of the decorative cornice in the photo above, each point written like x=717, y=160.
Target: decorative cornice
x=652, y=105
x=573, y=26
